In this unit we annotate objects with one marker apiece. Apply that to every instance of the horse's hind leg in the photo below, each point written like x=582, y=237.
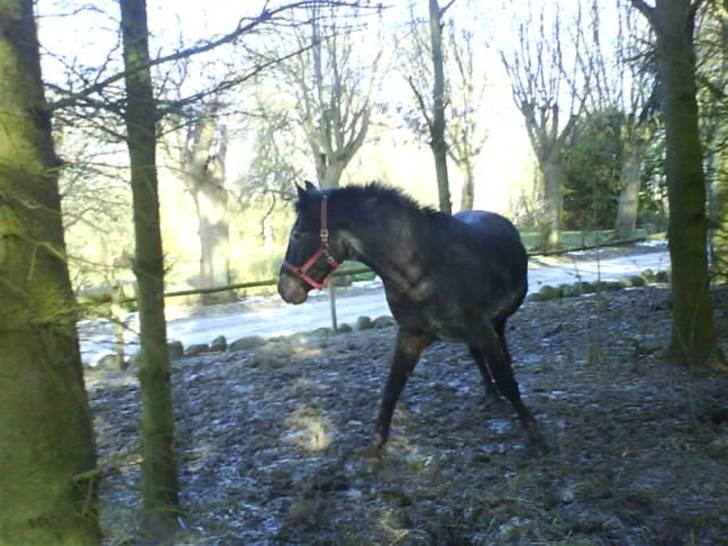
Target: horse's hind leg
x=499, y=362
x=407, y=351
x=491, y=390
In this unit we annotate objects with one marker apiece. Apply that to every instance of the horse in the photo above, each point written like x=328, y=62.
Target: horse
x=446, y=277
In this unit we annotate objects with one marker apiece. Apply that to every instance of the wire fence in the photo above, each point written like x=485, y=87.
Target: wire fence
x=108, y=296
x=115, y=297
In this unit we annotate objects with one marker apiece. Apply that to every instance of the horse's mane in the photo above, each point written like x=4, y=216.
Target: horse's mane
x=384, y=195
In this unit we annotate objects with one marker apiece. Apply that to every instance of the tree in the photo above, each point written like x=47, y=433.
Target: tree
x=464, y=133
x=592, y=164
x=713, y=70
x=437, y=125
x=47, y=452
x=464, y=91
x=333, y=92
x=539, y=71
x=203, y=167
x=693, y=335
x=159, y=468
x=634, y=96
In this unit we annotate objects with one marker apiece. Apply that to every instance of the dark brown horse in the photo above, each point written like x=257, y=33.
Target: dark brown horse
x=446, y=277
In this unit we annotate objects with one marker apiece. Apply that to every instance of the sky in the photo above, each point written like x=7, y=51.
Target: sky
x=86, y=36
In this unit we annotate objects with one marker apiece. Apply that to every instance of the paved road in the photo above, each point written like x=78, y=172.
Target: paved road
x=270, y=318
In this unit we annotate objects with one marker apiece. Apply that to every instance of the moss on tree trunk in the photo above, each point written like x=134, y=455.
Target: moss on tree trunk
x=159, y=469
x=46, y=437
x=693, y=334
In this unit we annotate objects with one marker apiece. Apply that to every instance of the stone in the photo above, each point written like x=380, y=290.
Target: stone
x=108, y=362
x=547, y=292
x=364, y=323
x=219, y=344
x=246, y=343
x=384, y=321
x=175, y=349
x=197, y=349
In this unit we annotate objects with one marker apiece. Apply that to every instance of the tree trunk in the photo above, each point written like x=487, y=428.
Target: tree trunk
x=720, y=232
x=437, y=129
x=628, y=206
x=159, y=470
x=554, y=177
x=47, y=453
x=719, y=188
x=693, y=336
x=205, y=168
x=211, y=205
x=467, y=196
x=329, y=170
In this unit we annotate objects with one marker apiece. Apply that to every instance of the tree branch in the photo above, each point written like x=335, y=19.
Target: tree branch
x=646, y=10
x=244, y=26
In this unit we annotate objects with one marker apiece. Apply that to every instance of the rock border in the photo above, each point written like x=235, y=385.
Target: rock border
x=546, y=293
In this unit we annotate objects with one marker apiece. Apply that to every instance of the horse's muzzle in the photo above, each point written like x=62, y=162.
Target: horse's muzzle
x=291, y=288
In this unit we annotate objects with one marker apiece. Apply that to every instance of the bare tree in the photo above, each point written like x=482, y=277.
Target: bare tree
x=203, y=170
x=438, y=143
x=465, y=134
x=632, y=93
x=549, y=78
x=333, y=89
x=693, y=334
x=464, y=91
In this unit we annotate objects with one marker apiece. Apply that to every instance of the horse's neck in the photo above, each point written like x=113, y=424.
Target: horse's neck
x=394, y=250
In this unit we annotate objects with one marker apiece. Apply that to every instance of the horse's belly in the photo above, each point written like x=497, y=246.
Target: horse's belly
x=440, y=322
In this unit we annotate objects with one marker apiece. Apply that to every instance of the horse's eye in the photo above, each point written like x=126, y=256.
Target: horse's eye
x=296, y=235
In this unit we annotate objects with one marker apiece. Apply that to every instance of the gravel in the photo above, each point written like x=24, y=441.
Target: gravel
x=272, y=440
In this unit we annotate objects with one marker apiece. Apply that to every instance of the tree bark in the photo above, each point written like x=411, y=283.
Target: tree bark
x=437, y=129
x=628, y=206
x=720, y=180
x=335, y=110
x=47, y=452
x=159, y=469
x=467, y=196
x=693, y=335
x=554, y=175
x=205, y=167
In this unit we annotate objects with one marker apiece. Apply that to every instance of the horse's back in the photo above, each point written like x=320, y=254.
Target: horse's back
x=491, y=228
x=502, y=256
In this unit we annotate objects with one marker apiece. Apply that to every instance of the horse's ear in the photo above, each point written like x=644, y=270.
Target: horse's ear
x=310, y=186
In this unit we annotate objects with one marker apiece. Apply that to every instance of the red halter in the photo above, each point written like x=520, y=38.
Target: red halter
x=323, y=250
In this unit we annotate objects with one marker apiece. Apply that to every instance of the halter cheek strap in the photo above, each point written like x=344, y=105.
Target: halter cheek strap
x=323, y=250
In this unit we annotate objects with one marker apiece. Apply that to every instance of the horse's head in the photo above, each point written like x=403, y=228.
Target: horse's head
x=313, y=251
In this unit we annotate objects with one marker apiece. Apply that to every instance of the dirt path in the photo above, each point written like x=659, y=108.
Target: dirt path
x=270, y=442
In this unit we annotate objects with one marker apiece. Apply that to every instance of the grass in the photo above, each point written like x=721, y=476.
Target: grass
x=573, y=239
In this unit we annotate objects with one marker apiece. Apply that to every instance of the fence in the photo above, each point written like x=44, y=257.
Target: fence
x=107, y=297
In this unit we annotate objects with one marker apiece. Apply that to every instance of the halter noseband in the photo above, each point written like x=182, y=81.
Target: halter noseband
x=323, y=250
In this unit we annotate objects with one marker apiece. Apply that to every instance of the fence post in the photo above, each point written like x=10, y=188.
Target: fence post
x=332, y=301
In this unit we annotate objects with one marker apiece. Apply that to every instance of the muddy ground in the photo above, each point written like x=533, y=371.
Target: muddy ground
x=271, y=441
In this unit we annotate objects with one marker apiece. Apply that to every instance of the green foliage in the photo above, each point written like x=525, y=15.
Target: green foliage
x=653, y=190
x=593, y=163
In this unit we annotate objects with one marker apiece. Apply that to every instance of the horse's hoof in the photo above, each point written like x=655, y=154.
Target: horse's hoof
x=374, y=451
x=496, y=405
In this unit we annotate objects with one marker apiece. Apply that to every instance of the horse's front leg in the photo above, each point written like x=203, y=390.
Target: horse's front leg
x=407, y=351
